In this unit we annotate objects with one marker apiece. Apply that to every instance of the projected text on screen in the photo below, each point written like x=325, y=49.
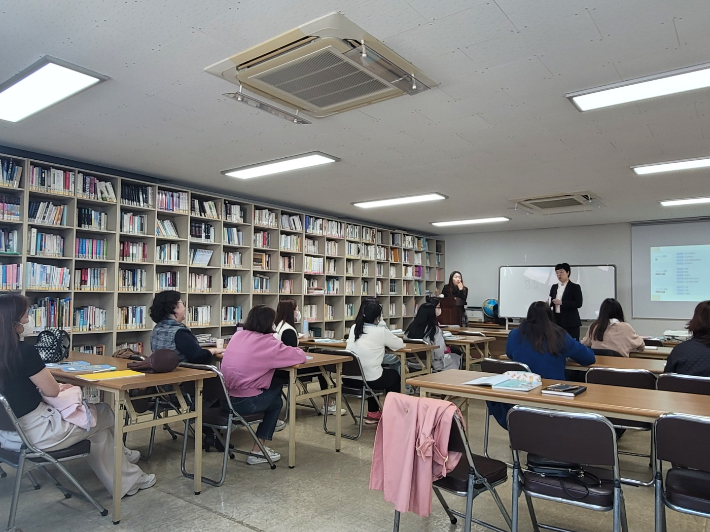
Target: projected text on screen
x=680, y=273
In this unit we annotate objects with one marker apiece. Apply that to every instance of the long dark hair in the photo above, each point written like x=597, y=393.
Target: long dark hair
x=451, y=281
x=285, y=311
x=541, y=332
x=699, y=325
x=424, y=324
x=260, y=319
x=369, y=311
x=12, y=307
x=610, y=309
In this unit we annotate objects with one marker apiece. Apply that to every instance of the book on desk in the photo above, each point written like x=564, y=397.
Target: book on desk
x=565, y=390
x=507, y=382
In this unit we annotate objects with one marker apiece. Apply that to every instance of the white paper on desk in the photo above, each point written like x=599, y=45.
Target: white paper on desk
x=309, y=358
x=651, y=348
x=488, y=381
x=326, y=341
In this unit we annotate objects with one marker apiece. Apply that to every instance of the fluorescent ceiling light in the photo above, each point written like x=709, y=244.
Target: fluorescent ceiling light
x=689, y=201
x=43, y=84
x=400, y=201
x=314, y=158
x=672, y=166
x=683, y=80
x=471, y=222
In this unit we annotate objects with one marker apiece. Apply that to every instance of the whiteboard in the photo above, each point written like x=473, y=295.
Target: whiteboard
x=519, y=286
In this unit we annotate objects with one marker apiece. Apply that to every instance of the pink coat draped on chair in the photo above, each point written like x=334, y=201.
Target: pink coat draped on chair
x=411, y=450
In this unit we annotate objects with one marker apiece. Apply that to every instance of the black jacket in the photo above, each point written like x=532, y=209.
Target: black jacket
x=571, y=303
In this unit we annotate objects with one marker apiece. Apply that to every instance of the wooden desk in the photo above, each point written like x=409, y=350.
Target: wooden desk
x=660, y=353
x=627, y=403
x=654, y=366
x=122, y=404
x=477, y=342
x=496, y=349
x=319, y=361
x=421, y=353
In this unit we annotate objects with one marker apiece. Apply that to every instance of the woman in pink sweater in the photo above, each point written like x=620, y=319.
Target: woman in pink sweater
x=248, y=367
x=610, y=331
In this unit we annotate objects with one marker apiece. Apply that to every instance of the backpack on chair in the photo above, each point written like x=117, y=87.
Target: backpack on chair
x=53, y=345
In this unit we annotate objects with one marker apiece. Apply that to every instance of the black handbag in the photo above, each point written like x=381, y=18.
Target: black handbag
x=564, y=471
x=53, y=345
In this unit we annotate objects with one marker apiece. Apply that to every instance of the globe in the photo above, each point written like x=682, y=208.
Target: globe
x=490, y=309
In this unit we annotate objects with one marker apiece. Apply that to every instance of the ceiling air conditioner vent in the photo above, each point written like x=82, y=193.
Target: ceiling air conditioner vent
x=560, y=203
x=322, y=68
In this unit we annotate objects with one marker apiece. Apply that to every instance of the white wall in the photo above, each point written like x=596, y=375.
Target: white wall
x=479, y=256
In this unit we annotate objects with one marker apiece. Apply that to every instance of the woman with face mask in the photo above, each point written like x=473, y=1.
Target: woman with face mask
x=425, y=327
x=287, y=315
x=25, y=382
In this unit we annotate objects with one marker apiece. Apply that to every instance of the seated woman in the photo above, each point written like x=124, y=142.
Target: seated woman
x=248, y=367
x=287, y=314
x=425, y=327
x=544, y=347
x=692, y=357
x=368, y=342
x=609, y=331
x=168, y=313
x=24, y=381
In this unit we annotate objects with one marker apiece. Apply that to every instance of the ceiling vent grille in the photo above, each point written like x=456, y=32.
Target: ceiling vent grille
x=325, y=67
x=560, y=203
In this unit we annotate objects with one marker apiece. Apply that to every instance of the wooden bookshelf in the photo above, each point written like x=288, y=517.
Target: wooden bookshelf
x=259, y=254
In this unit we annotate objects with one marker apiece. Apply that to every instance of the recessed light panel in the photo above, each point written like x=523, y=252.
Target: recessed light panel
x=672, y=166
x=278, y=166
x=472, y=222
x=683, y=80
x=399, y=201
x=688, y=201
x=45, y=83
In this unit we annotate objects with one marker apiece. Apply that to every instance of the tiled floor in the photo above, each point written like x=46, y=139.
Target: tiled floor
x=327, y=491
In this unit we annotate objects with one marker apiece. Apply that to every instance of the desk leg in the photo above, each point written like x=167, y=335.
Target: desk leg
x=198, y=437
x=117, y=454
x=403, y=370
x=292, y=417
x=338, y=405
x=469, y=360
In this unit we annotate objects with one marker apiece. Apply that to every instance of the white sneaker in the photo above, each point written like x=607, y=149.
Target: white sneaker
x=132, y=456
x=280, y=425
x=331, y=410
x=258, y=457
x=143, y=483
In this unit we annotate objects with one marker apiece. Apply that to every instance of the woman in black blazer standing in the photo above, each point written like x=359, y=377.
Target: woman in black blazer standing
x=565, y=301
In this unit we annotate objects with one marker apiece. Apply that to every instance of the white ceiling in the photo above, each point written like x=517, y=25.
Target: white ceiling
x=497, y=128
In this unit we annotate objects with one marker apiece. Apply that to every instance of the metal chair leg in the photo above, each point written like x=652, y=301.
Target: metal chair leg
x=16, y=492
x=2, y=473
x=531, y=509
x=516, y=499
x=486, y=429
x=469, y=504
x=82, y=492
x=439, y=496
x=660, y=506
x=36, y=485
x=396, y=521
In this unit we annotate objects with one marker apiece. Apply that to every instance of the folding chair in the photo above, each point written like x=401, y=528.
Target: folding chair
x=571, y=438
x=494, y=365
x=675, y=382
x=30, y=457
x=472, y=476
x=607, y=353
x=681, y=440
x=354, y=385
x=627, y=378
x=214, y=391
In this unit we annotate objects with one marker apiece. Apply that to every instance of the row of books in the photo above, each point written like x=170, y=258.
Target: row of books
x=332, y=286
x=412, y=272
x=200, y=257
x=199, y=282
x=206, y=209
x=309, y=312
x=352, y=249
x=46, y=212
x=232, y=283
x=133, y=251
x=265, y=217
x=365, y=269
x=368, y=252
x=261, y=261
x=89, y=318
x=352, y=231
x=134, y=224
x=132, y=280
x=42, y=244
x=331, y=247
x=90, y=248
x=411, y=257
x=135, y=346
x=383, y=253
x=262, y=239
x=10, y=207
x=349, y=287
x=91, y=279
x=287, y=263
x=329, y=312
x=94, y=188
x=310, y=246
x=287, y=286
x=98, y=349
x=51, y=180
x=11, y=172
x=50, y=312
x=231, y=315
x=231, y=259
x=166, y=228
x=201, y=231
x=412, y=289
x=369, y=235
x=330, y=266
x=131, y=317
x=313, y=264
x=233, y=212
x=380, y=270
x=167, y=280
x=232, y=236
x=89, y=218
x=11, y=276
x=320, y=226
x=312, y=286
x=292, y=223
x=8, y=241
x=167, y=253
x=167, y=200
x=198, y=316
x=47, y=277
x=290, y=243
x=261, y=283
x=136, y=195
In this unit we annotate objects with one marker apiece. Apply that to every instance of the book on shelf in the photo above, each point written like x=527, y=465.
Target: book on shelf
x=564, y=390
x=89, y=318
x=199, y=316
x=261, y=261
x=231, y=259
x=172, y=201
x=262, y=239
x=47, y=277
x=199, y=282
x=90, y=248
x=132, y=280
x=168, y=253
x=50, y=312
x=134, y=346
x=206, y=209
x=11, y=276
x=262, y=283
x=8, y=241
x=166, y=228
x=89, y=187
x=92, y=279
x=201, y=231
x=133, y=223
x=233, y=212
x=291, y=222
x=232, y=236
x=136, y=195
x=133, y=251
x=265, y=217
x=42, y=244
x=88, y=218
x=47, y=213
x=51, y=180
x=167, y=280
x=232, y=283
x=11, y=172
x=10, y=207
x=231, y=314
x=96, y=349
x=200, y=257
x=314, y=226
x=131, y=317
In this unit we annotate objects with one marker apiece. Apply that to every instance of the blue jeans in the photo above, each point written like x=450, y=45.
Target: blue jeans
x=269, y=402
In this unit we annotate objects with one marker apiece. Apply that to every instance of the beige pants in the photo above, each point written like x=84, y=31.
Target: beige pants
x=46, y=429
